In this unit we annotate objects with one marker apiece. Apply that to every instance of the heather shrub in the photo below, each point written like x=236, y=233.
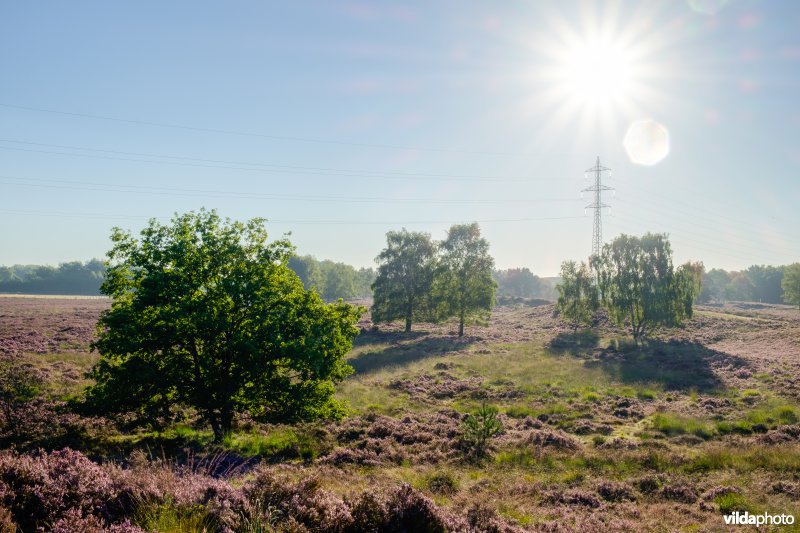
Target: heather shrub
x=6, y=520
x=553, y=439
x=303, y=503
x=442, y=483
x=612, y=491
x=24, y=413
x=478, y=429
x=73, y=520
x=158, y=494
x=40, y=489
x=679, y=493
x=408, y=510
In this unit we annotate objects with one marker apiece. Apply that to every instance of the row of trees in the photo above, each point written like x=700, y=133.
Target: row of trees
x=420, y=279
x=758, y=283
x=522, y=283
x=68, y=278
x=634, y=280
x=333, y=280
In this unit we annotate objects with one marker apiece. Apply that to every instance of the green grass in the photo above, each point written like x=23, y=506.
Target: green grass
x=520, y=411
x=168, y=518
x=731, y=502
x=282, y=441
x=774, y=412
x=780, y=458
x=672, y=424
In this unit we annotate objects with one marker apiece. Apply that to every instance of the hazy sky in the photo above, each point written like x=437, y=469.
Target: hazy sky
x=340, y=121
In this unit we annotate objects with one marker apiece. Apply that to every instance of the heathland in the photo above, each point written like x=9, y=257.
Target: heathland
x=598, y=433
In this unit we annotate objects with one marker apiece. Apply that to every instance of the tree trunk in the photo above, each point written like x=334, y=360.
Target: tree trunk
x=216, y=428
x=408, y=324
x=461, y=325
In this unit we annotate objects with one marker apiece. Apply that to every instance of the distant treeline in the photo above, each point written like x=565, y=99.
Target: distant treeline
x=759, y=283
x=333, y=280
x=67, y=278
x=522, y=283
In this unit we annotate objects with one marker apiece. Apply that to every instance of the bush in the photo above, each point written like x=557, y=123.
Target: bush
x=478, y=429
x=40, y=489
x=442, y=483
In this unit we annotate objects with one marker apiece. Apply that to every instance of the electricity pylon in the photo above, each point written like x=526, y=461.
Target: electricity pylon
x=597, y=205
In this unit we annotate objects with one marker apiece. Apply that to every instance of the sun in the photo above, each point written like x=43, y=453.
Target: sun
x=596, y=73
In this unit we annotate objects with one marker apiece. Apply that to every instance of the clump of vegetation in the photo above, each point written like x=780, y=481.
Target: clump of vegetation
x=478, y=429
x=577, y=294
x=671, y=424
x=442, y=483
x=421, y=279
x=207, y=314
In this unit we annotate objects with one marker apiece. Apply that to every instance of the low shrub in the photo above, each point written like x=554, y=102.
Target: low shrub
x=478, y=429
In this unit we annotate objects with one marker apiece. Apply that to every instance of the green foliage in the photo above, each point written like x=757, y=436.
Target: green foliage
x=333, y=280
x=791, y=284
x=465, y=287
x=68, y=278
x=761, y=283
x=639, y=286
x=206, y=314
x=403, y=285
x=520, y=283
x=577, y=294
x=479, y=428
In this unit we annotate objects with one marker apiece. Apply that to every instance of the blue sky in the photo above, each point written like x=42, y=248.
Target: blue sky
x=340, y=121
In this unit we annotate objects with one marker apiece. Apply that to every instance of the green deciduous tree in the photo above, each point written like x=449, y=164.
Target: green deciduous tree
x=518, y=282
x=465, y=286
x=791, y=284
x=577, y=294
x=402, y=287
x=207, y=314
x=639, y=286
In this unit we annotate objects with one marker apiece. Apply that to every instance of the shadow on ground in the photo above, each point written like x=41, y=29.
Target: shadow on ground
x=580, y=342
x=413, y=349
x=368, y=337
x=675, y=365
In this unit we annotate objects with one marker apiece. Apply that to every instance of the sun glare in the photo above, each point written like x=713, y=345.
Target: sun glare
x=597, y=73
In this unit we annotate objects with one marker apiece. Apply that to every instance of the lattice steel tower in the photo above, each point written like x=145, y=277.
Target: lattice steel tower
x=597, y=205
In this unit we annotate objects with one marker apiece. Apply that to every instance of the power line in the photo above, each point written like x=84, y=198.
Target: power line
x=204, y=193
x=289, y=221
x=269, y=167
x=262, y=135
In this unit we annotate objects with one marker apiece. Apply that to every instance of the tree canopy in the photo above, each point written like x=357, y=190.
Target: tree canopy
x=402, y=287
x=465, y=284
x=639, y=286
x=791, y=284
x=333, y=280
x=207, y=314
x=577, y=294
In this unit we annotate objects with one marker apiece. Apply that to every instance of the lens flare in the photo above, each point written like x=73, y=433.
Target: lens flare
x=646, y=142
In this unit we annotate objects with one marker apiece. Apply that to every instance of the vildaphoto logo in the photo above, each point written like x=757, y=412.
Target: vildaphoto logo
x=747, y=519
